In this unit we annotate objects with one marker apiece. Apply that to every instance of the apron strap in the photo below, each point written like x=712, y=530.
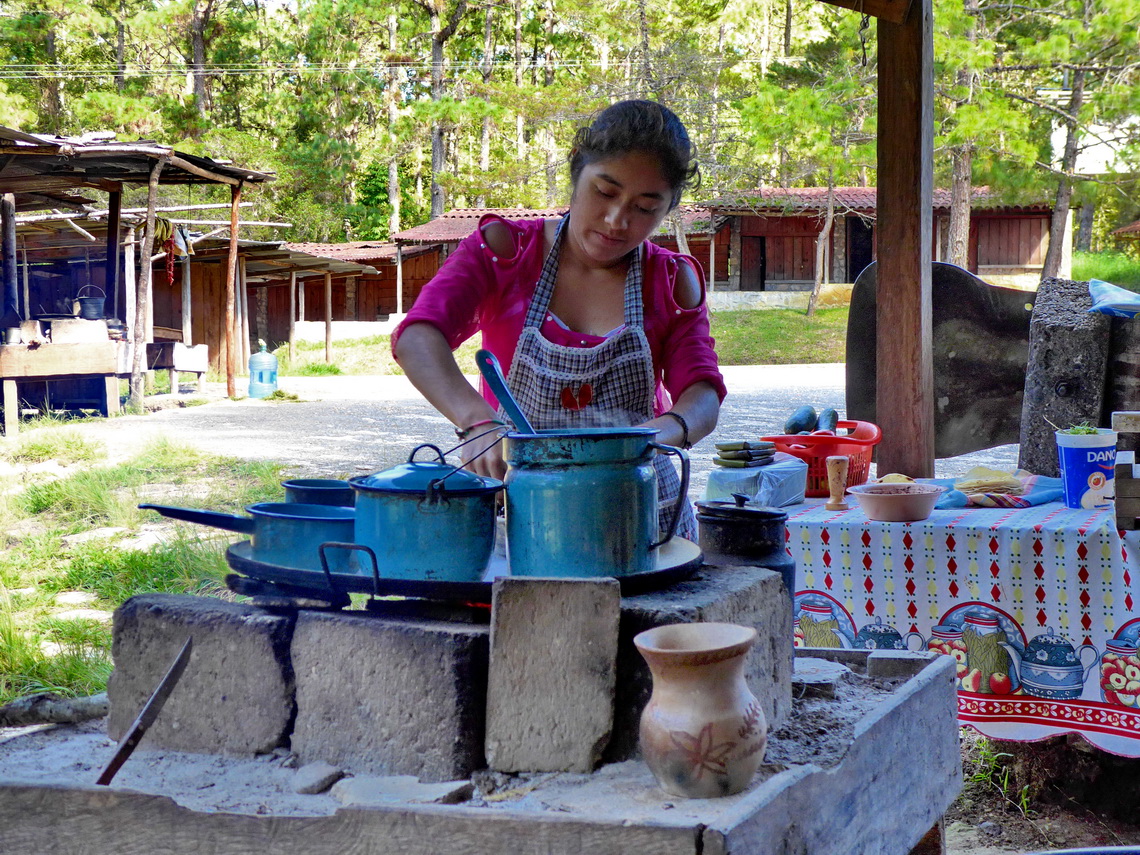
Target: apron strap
x=633, y=309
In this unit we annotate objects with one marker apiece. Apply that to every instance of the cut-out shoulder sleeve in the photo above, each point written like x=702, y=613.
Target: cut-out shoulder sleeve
x=687, y=290
x=499, y=237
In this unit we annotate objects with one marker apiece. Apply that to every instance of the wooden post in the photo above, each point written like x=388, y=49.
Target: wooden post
x=292, y=310
x=245, y=346
x=114, y=252
x=328, y=317
x=904, y=350
x=712, y=257
x=231, y=269
x=187, y=304
x=142, y=294
x=129, y=292
x=300, y=299
x=8, y=248
x=25, y=284
x=399, y=280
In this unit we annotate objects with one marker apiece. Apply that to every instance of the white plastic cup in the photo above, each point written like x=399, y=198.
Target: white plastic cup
x=1088, y=463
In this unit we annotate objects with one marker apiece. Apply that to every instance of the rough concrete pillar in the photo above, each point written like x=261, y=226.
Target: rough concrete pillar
x=1065, y=378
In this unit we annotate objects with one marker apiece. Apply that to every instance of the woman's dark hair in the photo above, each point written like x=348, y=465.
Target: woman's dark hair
x=646, y=126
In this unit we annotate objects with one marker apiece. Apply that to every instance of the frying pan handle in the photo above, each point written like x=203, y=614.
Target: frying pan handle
x=230, y=522
x=682, y=495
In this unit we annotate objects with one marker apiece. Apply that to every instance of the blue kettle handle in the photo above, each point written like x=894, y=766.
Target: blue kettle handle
x=682, y=494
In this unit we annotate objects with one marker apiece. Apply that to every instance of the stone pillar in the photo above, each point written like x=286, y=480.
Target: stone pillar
x=1065, y=377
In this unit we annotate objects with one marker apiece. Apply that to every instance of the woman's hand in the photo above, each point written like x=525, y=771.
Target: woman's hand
x=699, y=406
x=483, y=452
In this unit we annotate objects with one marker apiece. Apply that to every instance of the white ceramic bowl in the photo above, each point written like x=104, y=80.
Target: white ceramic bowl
x=896, y=502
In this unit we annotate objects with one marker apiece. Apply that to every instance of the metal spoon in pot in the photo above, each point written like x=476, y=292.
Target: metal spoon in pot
x=493, y=374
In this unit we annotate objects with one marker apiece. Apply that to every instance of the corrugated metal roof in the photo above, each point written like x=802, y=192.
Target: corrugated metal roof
x=1132, y=230
x=360, y=251
x=273, y=261
x=790, y=200
x=453, y=226
x=35, y=164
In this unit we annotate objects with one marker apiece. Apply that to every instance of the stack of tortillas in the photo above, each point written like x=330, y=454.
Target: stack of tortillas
x=982, y=479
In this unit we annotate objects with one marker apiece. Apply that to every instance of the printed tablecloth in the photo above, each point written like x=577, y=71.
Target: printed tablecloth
x=1038, y=605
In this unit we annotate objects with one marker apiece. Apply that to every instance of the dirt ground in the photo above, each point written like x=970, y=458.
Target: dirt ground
x=1076, y=798
x=1080, y=798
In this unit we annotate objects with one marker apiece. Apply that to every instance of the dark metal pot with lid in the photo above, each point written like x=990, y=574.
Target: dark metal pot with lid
x=737, y=533
x=427, y=519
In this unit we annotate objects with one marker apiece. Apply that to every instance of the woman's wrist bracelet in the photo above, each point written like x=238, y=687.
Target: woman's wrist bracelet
x=685, y=444
x=463, y=433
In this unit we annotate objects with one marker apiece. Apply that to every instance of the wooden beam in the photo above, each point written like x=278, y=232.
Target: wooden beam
x=904, y=359
x=187, y=305
x=895, y=11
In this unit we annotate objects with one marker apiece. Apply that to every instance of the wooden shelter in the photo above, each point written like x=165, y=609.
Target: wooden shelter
x=773, y=233
x=39, y=171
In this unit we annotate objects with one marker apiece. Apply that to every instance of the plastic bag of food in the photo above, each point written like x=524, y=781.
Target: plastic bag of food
x=1113, y=300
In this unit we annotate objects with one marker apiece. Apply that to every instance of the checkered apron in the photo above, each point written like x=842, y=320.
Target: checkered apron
x=608, y=385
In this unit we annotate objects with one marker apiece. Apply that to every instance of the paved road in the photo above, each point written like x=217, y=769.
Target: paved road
x=348, y=425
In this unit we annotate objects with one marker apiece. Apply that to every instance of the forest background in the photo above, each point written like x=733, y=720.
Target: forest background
x=378, y=116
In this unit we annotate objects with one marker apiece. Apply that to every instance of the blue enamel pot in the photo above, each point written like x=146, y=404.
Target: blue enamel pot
x=583, y=502
x=285, y=534
x=427, y=520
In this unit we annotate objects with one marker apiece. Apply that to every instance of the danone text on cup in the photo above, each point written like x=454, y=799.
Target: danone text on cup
x=1087, y=464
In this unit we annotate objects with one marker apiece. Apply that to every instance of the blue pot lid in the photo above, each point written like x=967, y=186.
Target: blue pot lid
x=418, y=476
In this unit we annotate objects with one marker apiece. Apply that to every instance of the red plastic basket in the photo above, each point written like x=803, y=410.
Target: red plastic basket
x=857, y=445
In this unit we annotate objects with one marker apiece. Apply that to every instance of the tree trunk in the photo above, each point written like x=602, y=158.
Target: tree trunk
x=1065, y=182
x=120, y=47
x=199, y=21
x=643, y=27
x=961, y=191
x=142, y=298
x=788, y=28
x=53, y=88
x=679, y=231
x=393, y=117
x=520, y=121
x=485, y=131
x=438, y=150
x=821, y=244
x=1084, y=236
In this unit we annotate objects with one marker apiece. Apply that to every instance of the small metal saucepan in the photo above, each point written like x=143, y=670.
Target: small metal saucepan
x=319, y=491
x=288, y=534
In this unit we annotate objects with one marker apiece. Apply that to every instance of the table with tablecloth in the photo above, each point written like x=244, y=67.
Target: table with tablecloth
x=1039, y=605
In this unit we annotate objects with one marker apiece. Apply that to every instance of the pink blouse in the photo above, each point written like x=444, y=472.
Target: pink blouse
x=477, y=291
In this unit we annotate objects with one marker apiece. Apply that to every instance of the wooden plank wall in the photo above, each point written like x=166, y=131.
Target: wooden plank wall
x=208, y=296
x=1010, y=241
x=699, y=248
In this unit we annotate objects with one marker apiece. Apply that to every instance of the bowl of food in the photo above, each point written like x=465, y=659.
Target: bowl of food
x=896, y=502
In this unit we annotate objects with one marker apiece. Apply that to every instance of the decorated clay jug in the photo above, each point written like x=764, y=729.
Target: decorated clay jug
x=703, y=732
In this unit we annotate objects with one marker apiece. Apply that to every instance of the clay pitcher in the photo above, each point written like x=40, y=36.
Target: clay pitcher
x=703, y=732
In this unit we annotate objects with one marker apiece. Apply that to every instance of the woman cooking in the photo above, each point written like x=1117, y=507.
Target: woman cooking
x=600, y=326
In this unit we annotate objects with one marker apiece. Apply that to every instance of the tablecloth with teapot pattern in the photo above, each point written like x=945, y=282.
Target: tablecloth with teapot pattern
x=1039, y=606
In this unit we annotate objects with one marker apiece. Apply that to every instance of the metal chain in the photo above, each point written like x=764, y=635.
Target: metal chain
x=863, y=35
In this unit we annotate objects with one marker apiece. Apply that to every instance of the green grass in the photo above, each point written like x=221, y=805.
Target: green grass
x=1114, y=267
x=41, y=651
x=780, y=336
x=761, y=337
x=50, y=443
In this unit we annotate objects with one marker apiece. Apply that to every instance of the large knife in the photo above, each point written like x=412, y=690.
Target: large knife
x=147, y=714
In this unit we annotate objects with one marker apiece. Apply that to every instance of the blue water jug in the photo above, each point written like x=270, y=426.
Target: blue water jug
x=262, y=373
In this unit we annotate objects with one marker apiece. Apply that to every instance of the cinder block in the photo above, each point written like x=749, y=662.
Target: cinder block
x=236, y=694
x=550, y=695
x=383, y=696
x=1126, y=421
x=750, y=596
